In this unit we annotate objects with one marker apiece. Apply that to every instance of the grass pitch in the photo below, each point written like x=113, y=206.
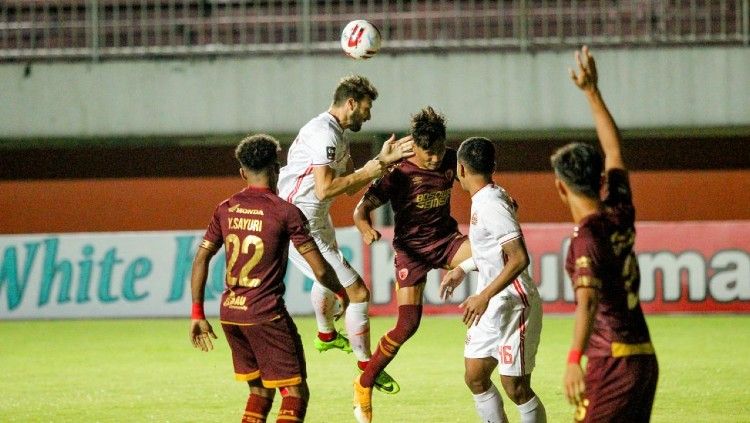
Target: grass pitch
x=147, y=371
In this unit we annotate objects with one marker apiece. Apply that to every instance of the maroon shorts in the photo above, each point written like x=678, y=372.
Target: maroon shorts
x=412, y=267
x=619, y=389
x=269, y=351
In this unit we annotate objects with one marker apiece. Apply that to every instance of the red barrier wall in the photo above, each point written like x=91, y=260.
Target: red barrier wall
x=91, y=205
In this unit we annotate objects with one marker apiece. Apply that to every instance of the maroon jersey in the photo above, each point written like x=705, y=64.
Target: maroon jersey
x=421, y=202
x=601, y=256
x=255, y=226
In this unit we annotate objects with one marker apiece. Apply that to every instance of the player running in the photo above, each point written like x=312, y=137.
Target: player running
x=255, y=226
x=425, y=236
x=320, y=168
x=619, y=383
x=505, y=314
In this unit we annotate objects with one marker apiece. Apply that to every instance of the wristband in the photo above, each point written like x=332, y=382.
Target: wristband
x=574, y=356
x=198, y=312
x=468, y=265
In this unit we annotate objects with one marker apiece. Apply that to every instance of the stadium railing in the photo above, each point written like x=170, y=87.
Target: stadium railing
x=95, y=29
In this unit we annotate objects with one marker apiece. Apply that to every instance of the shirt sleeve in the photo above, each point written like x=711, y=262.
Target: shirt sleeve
x=500, y=222
x=378, y=191
x=322, y=148
x=586, y=265
x=213, y=238
x=299, y=230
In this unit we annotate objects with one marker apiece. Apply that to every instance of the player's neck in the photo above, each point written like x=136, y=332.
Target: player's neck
x=339, y=114
x=475, y=183
x=581, y=207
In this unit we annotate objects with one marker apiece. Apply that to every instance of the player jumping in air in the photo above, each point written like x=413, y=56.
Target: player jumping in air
x=425, y=236
x=320, y=168
x=505, y=314
x=619, y=382
x=256, y=226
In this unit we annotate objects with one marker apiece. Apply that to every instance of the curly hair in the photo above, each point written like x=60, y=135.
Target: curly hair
x=354, y=86
x=580, y=166
x=427, y=127
x=257, y=152
x=478, y=154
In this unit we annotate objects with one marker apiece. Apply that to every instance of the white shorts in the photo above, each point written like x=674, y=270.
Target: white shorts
x=508, y=331
x=346, y=274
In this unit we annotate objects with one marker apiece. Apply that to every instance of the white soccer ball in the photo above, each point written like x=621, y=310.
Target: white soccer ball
x=360, y=39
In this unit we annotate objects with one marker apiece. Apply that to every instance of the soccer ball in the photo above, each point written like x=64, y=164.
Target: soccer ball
x=360, y=39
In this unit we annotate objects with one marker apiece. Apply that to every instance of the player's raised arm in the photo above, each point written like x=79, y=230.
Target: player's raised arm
x=200, y=330
x=586, y=78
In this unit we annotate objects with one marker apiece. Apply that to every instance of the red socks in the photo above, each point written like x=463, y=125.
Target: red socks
x=257, y=409
x=293, y=409
x=407, y=324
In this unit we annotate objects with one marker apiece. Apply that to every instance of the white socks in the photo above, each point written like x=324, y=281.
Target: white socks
x=533, y=411
x=489, y=405
x=323, y=302
x=357, y=324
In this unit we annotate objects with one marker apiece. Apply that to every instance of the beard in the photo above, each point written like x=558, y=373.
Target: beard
x=355, y=126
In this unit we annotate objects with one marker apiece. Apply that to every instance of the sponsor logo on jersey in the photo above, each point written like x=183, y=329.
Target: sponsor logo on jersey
x=235, y=302
x=331, y=153
x=403, y=273
x=430, y=200
x=237, y=209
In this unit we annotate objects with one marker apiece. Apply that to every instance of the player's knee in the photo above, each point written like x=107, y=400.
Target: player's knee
x=299, y=391
x=358, y=292
x=518, y=389
x=476, y=384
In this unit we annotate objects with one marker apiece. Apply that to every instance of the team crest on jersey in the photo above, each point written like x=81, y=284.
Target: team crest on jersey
x=403, y=273
x=474, y=219
x=449, y=174
x=331, y=153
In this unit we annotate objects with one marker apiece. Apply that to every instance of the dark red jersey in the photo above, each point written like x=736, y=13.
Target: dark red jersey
x=255, y=226
x=421, y=202
x=601, y=256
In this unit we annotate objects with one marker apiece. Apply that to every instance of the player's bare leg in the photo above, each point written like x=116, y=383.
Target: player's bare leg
x=259, y=403
x=529, y=405
x=409, y=316
x=487, y=399
x=293, y=403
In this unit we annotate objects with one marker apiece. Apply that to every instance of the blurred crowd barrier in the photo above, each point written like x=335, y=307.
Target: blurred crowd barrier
x=93, y=29
x=686, y=267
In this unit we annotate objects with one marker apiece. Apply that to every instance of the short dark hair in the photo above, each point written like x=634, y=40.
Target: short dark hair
x=427, y=127
x=580, y=166
x=354, y=86
x=478, y=154
x=258, y=152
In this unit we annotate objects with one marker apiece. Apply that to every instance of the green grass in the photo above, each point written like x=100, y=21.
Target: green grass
x=147, y=371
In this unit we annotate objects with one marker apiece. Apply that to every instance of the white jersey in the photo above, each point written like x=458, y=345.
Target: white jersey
x=319, y=143
x=510, y=328
x=493, y=223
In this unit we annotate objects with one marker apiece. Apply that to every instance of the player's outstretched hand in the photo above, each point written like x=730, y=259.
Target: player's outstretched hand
x=452, y=279
x=586, y=76
x=573, y=383
x=201, y=333
x=394, y=150
x=474, y=307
